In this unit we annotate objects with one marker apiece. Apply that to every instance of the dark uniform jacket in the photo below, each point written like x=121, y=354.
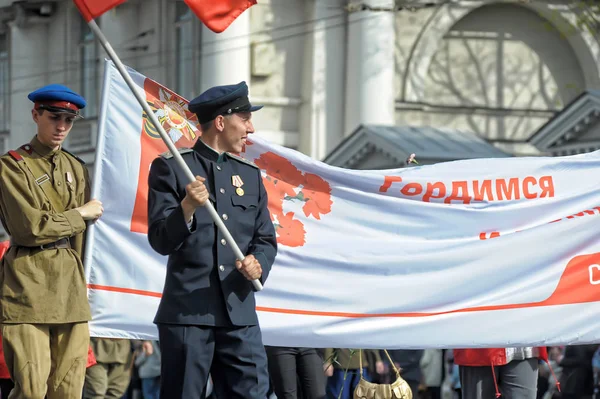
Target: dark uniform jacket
x=39, y=191
x=203, y=286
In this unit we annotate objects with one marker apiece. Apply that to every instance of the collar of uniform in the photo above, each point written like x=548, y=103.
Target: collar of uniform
x=41, y=148
x=208, y=152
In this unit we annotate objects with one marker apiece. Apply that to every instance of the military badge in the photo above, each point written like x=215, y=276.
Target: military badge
x=236, y=181
x=42, y=179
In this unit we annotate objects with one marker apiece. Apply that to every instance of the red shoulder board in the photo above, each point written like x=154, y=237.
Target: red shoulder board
x=27, y=148
x=15, y=155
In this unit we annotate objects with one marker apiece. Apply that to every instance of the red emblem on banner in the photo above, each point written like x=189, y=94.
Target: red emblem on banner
x=182, y=127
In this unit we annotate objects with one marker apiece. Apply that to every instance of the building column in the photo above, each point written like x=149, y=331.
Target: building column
x=370, y=67
x=29, y=71
x=322, y=109
x=226, y=56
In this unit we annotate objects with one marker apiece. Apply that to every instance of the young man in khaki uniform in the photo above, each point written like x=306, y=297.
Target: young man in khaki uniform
x=44, y=206
x=109, y=377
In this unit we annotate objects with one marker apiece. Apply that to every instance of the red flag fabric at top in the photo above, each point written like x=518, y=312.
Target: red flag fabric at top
x=91, y=9
x=217, y=15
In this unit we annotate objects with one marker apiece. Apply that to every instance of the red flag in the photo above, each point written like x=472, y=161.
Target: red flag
x=91, y=9
x=217, y=15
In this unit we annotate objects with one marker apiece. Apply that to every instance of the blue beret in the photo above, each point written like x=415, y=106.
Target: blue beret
x=222, y=100
x=55, y=92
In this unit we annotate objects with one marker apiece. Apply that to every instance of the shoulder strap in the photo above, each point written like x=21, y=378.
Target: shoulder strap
x=74, y=156
x=169, y=155
x=360, y=362
x=17, y=157
x=15, y=153
x=242, y=160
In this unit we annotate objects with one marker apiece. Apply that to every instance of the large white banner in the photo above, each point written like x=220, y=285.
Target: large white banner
x=490, y=252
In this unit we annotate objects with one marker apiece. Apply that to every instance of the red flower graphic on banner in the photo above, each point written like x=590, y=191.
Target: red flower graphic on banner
x=280, y=168
x=277, y=190
x=290, y=231
x=284, y=182
x=316, y=193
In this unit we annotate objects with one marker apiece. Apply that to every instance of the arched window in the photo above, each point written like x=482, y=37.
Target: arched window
x=501, y=72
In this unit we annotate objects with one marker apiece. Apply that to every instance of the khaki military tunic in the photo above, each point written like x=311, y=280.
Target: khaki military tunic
x=38, y=195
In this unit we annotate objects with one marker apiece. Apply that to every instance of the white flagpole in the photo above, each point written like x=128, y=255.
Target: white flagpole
x=170, y=145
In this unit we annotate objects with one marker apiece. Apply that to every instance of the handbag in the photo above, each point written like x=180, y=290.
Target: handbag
x=399, y=389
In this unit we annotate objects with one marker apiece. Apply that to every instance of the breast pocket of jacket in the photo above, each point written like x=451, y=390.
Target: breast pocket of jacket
x=245, y=208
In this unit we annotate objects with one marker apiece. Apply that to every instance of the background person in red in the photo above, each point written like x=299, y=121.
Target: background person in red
x=506, y=372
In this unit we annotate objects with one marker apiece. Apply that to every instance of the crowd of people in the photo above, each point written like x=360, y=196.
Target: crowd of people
x=210, y=343
x=571, y=372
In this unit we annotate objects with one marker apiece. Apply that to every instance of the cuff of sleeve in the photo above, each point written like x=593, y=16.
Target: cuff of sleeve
x=177, y=227
x=75, y=221
x=262, y=259
x=191, y=225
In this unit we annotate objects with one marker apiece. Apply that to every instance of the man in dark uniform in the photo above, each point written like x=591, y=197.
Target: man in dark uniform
x=44, y=206
x=207, y=320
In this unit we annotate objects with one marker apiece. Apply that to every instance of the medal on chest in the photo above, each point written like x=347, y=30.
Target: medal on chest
x=69, y=179
x=237, y=182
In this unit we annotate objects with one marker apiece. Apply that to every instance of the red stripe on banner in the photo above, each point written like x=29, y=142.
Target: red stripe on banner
x=217, y=15
x=124, y=290
x=91, y=9
x=579, y=283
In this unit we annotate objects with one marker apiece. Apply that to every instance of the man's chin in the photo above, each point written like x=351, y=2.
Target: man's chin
x=238, y=149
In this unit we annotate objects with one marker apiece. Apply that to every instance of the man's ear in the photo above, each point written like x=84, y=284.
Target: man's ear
x=35, y=115
x=220, y=123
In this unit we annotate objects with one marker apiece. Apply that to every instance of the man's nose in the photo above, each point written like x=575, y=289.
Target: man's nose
x=250, y=127
x=62, y=124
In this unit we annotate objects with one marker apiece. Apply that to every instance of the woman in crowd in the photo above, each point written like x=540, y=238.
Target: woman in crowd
x=296, y=373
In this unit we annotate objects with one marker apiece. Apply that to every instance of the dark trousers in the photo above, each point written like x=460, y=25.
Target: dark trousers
x=293, y=367
x=414, y=387
x=516, y=380
x=432, y=393
x=234, y=356
x=6, y=385
x=341, y=384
